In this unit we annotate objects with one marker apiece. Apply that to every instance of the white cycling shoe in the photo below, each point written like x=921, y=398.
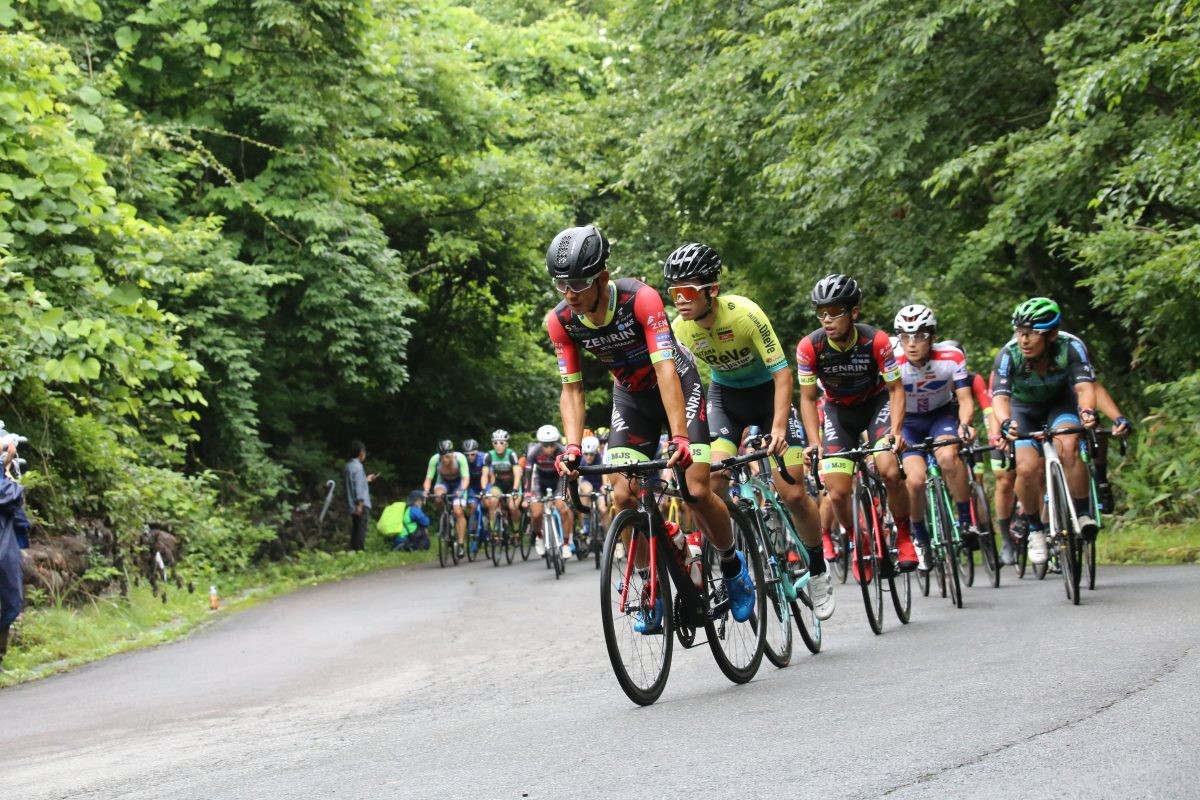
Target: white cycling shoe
x=539, y=547
x=1038, y=553
x=820, y=589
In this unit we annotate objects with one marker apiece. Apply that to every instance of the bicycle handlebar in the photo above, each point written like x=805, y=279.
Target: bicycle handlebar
x=755, y=455
x=633, y=470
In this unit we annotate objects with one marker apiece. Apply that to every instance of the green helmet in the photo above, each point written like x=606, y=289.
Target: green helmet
x=1039, y=313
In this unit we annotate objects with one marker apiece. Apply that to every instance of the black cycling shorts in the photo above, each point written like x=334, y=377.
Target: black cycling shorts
x=639, y=417
x=731, y=410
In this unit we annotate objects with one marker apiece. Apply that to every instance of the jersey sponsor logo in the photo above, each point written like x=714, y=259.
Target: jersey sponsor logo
x=730, y=360
x=618, y=422
x=692, y=409
x=608, y=340
x=725, y=335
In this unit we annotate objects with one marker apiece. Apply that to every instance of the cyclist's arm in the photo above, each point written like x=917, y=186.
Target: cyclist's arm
x=572, y=406
x=485, y=476
x=1105, y=403
x=806, y=359
x=429, y=473
x=660, y=345
x=966, y=406
x=885, y=358
x=465, y=480
x=671, y=391
x=783, y=407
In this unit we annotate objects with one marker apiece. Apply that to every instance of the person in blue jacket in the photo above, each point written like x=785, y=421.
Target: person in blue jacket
x=14, y=527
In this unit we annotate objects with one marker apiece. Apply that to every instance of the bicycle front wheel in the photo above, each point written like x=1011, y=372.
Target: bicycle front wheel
x=866, y=557
x=841, y=561
x=1089, y=562
x=900, y=586
x=640, y=661
x=497, y=537
x=987, y=533
x=774, y=553
x=737, y=647
x=951, y=563
x=1070, y=543
x=525, y=535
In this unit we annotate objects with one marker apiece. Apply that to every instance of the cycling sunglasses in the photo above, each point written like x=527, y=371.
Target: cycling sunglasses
x=687, y=292
x=829, y=313
x=575, y=285
x=919, y=336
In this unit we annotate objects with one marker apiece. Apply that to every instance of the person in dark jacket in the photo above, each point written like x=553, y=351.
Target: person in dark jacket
x=13, y=524
x=358, y=494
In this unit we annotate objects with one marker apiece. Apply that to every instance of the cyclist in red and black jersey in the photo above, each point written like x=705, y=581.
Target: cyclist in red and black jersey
x=657, y=385
x=863, y=393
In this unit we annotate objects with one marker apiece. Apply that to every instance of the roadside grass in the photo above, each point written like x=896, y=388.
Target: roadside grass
x=45, y=641
x=1146, y=543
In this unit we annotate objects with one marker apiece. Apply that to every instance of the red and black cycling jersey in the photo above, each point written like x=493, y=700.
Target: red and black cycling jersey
x=634, y=337
x=852, y=375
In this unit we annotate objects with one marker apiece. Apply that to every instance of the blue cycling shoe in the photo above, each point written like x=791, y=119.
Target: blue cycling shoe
x=653, y=624
x=741, y=592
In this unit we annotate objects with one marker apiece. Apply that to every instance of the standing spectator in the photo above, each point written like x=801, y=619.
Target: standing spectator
x=13, y=523
x=358, y=494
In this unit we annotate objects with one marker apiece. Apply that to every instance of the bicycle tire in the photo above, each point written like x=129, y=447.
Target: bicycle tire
x=443, y=555
x=474, y=543
x=966, y=564
x=949, y=546
x=982, y=514
x=737, y=647
x=1089, y=562
x=803, y=610
x=497, y=537
x=902, y=594
x=923, y=581
x=597, y=542
x=525, y=535
x=778, y=640
x=640, y=662
x=866, y=557
x=1068, y=540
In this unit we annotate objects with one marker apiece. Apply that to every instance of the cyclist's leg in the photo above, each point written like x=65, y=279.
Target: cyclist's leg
x=954, y=471
x=460, y=519
x=804, y=509
x=841, y=431
x=724, y=432
x=1076, y=471
x=916, y=429
x=897, y=492
x=629, y=424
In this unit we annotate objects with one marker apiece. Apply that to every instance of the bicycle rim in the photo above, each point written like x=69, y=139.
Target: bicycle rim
x=1089, y=563
x=737, y=647
x=525, y=537
x=1064, y=535
x=641, y=662
x=841, y=563
x=900, y=586
x=987, y=534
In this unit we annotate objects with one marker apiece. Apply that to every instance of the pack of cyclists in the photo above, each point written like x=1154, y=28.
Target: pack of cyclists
x=857, y=383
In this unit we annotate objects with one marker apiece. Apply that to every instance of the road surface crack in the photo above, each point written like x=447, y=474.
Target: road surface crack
x=1164, y=671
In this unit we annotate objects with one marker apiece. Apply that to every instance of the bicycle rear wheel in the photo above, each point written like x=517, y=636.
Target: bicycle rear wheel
x=640, y=661
x=841, y=561
x=982, y=514
x=923, y=579
x=737, y=647
x=866, y=559
x=966, y=564
x=499, y=535
x=802, y=608
x=445, y=549
x=1089, y=562
x=597, y=541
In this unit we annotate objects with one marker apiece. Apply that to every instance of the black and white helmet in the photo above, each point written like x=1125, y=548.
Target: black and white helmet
x=693, y=261
x=836, y=290
x=500, y=435
x=577, y=253
x=915, y=317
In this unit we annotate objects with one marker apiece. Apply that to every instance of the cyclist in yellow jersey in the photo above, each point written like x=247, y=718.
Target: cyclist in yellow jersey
x=751, y=386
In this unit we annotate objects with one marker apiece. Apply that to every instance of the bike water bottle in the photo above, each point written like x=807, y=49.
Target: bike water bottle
x=214, y=602
x=695, y=559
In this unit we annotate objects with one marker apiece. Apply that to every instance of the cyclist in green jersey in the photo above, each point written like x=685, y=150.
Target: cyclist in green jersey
x=453, y=475
x=751, y=386
x=502, y=475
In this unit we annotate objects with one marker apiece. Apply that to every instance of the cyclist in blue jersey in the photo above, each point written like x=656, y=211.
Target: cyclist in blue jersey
x=475, y=484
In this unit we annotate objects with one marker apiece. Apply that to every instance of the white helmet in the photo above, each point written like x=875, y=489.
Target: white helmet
x=499, y=435
x=590, y=445
x=547, y=434
x=915, y=318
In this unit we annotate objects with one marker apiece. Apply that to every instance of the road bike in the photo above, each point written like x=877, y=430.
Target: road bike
x=873, y=541
x=946, y=546
x=504, y=542
x=636, y=591
x=446, y=534
x=552, y=531
x=479, y=538
x=784, y=556
x=1087, y=451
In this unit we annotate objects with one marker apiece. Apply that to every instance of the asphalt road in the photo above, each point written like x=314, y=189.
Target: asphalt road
x=484, y=682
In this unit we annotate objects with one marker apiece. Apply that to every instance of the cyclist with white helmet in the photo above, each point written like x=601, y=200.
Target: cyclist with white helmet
x=453, y=475
x=939, y=404
x=592, y=455
x=501, y=475
x=540, y=464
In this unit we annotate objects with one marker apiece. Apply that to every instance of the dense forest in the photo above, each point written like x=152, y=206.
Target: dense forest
x=236, y=234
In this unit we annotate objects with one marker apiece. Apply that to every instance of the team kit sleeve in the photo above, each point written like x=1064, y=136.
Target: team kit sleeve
x=648, y=310
x=982, y=397
x=432, y=467
x=565, y=350
x=962, y=378
x=885, y=356
x=1002, y=372
x=1079, y=366
x=806, y=361
x=757, y=328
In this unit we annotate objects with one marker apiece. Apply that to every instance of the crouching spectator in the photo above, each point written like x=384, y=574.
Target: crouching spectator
x=406, y=524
